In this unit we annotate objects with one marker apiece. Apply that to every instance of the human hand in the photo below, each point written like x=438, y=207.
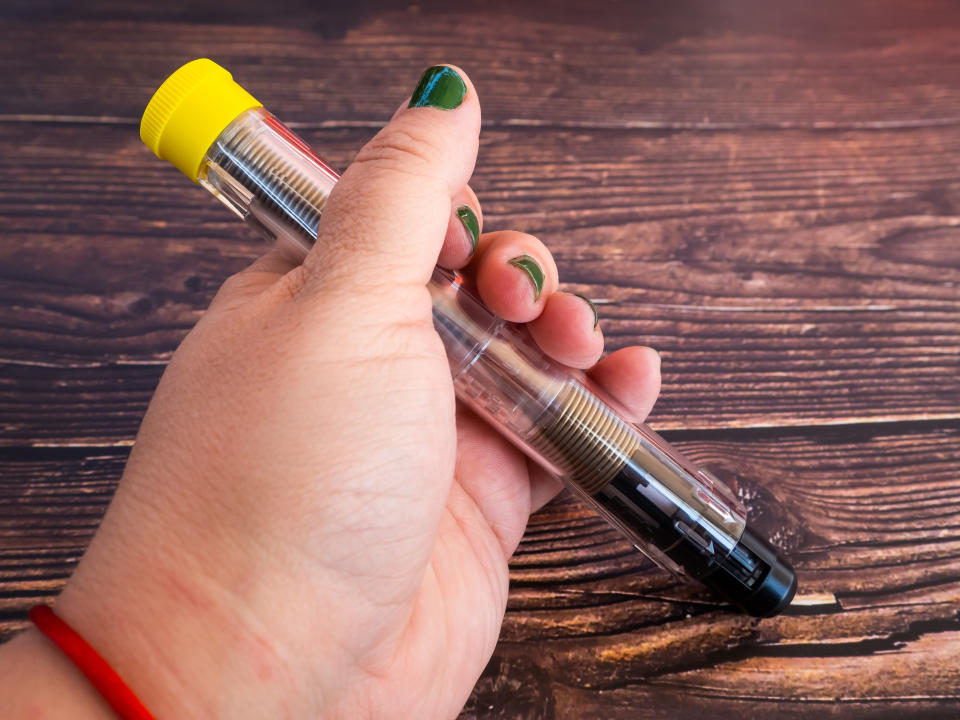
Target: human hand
x=309, y=525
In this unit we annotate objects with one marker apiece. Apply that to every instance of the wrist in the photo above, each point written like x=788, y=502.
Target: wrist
x=182, y=642
x=30, y=667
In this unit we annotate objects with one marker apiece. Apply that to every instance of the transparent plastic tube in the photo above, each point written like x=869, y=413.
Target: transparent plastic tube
x=676, y=513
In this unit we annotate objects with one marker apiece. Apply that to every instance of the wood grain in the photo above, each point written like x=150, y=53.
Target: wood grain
x=775, y=271
x=869, y=517
x=742, y=64
x=766, y=192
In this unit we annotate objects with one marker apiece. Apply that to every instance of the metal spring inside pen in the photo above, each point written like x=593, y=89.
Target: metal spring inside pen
x=586, y=439
x=265, y=171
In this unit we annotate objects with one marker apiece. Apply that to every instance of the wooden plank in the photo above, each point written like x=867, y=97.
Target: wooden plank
x=764, y=191
x=788, y=278
x=869, y=517
x=916, y=678
x=679, y=64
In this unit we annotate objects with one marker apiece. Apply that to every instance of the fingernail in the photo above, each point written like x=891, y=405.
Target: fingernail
x=532, y=268
x=439, y=87
x=470, y=222
x=596, y=315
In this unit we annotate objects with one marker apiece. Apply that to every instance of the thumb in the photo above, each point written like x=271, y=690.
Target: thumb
x=391, y=207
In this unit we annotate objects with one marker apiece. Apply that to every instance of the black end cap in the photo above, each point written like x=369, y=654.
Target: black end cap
x=772, y=593
x=777, y=588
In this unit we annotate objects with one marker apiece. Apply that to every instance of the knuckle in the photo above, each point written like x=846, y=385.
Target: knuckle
x=401, y=150
x=234, y=286
x=292, y=284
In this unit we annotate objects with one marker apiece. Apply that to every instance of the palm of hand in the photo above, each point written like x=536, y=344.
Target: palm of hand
x=406, y=525
x=455, y=617
x=439, y=537
x=325, y=513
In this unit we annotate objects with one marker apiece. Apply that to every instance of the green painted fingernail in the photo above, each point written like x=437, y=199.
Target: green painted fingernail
x=532, y=268
x=470, y=222
x=439, y=87
x=596, y=315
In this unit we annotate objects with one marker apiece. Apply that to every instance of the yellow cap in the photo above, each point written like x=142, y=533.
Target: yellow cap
x=188, y=112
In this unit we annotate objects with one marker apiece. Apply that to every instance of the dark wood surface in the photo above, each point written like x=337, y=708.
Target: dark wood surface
x=767, y=192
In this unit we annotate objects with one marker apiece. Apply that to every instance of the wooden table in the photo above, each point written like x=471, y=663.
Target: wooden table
x=769, y=193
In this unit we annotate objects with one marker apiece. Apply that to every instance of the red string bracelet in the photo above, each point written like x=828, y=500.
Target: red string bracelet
x=98, y=671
